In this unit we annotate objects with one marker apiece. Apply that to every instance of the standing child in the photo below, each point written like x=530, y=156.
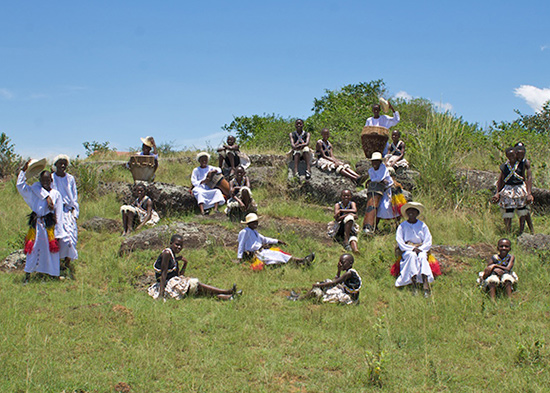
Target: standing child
x=66, y=185
x=344, y=227
x=520, y=155
x=45, y=220
x=499, y=270
x=513, y=193
x=171, y=280
x=299, y=141
x=326, y=160
x=241, y=202
x=344, y=288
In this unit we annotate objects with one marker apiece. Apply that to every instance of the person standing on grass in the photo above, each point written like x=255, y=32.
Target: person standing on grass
x=66, y=185
x=45, y=220
x=383, y=120
x=344, y=227
x=414, y=240
x=171, y=279
x=499, y=270
x=520, y=155
x=327, y=162
x=299, y=141
x=513, y=192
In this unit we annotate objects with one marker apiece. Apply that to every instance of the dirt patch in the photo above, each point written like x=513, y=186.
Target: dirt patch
x=456, y=257
x=302, y=226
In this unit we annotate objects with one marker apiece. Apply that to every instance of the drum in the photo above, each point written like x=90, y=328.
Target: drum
x=142, y=167
x=375, y=191
x=374, y=139
x=218, y=181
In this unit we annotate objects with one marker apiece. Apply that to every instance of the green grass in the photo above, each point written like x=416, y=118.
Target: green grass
x=100, y=330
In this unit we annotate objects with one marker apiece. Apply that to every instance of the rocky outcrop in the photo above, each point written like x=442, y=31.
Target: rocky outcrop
x=15, y=261
x=534, y=242
x=477, y=180
x=101, y=224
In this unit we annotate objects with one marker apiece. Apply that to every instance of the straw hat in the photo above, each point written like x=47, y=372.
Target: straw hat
x=250, y=217
x=62, y=157
x=384, y=104
x=35, y=167
x=412, y=205
x=148, y=141
x=201, y=154
x=376, y=156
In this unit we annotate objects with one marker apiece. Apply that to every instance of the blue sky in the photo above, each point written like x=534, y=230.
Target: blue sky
x=115, y=71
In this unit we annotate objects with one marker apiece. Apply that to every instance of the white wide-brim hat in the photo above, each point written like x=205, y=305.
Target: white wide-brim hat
x=201, y=154
x=384, y=104
x=35, y=167
x=147, y=141
x=250, y=217
x=62, y=157
x=412, y=205
x=376, y=156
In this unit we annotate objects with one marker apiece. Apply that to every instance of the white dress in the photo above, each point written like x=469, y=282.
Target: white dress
x=411, y=264
x=66, y=186
x=385, y=208
x=202, y=193
x=40, y=259
x=251, y=241
x=384, y=121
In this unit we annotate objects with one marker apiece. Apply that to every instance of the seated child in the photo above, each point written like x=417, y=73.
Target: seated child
x=394, y=158
x=344, y=228
x=299, y=141
x=414, y=240
x=171, y=280
x=139, y=213
x=499, y=270
x=326, y=160
x=241, y=202
x=513, y=192
x=230, y=155
x=256, y=248
x=204, y=179
x=344, y=288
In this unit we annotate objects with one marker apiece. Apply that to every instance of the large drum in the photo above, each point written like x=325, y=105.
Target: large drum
x=142, y=167
x=375, y=191
x=374, y=139
x=218, y=181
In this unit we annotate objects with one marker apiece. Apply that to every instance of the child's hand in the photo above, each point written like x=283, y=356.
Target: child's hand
x=530, y=198
x=495, y=198
x=50, y=203
x=282, y=243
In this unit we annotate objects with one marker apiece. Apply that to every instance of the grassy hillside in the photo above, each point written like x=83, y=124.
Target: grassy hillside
x=99, y=333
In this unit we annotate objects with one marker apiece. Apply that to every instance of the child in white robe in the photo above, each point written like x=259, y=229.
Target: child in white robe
x=206, y=197
x=414, y=240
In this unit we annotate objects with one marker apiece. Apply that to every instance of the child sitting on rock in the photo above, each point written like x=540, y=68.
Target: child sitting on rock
x=499, y=270
x=230, y=155
x=327, y=162
x=241, y=202
x=394, y=157
x=344, y=288
x=299, y=141
x=344, y=228
x=139, y=213
x=172, y=282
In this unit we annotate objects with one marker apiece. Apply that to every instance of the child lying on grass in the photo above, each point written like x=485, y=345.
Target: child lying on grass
x=172, y=282
x=344, y=288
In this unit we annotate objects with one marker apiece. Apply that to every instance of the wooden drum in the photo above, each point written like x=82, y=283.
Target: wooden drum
x=375, y=191
x=142, y=167
x=218, y=181
x=374, y=139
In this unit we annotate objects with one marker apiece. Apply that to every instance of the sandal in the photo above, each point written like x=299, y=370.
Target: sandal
x=308, y=175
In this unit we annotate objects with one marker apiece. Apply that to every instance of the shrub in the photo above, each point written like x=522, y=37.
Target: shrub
x=95, y=147
x=9, y=160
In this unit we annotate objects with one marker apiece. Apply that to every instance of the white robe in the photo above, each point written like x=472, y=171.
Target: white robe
x=384, y=120
x=40, y=259
x=385, y=208
x=66, y=186
x=412, y=264
x=202, y=193
x=250, y=240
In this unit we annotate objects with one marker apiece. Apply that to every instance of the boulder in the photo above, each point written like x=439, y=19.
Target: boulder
x=534, y=242
x=195, y=235
x=15, y=261
x=101, y=224
x=477, y=180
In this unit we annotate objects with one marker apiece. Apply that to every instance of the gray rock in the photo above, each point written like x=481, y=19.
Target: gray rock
x=477, y=180
x=15, y=261
x=101, y=224
x=534, y=242
x=195, y=235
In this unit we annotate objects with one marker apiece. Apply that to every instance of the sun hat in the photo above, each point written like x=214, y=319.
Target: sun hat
x=412, y=205
x=250, y=217
x=148, y=141
x=202, y=153
x=376, y=156
x=62, y=157
x=384, y=104
x=35, y=167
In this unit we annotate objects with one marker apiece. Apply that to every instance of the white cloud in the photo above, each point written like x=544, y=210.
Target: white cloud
x=443, y=106
x=403, y=95
x=6, y=94
x=544, y=47
x=533, y=96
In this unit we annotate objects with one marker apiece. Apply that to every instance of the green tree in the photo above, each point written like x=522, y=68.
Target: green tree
x=9, y=160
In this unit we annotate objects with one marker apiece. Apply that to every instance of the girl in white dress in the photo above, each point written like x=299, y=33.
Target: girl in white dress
x=206, y=196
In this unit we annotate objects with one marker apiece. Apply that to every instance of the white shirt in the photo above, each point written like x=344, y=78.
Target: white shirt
x=199, y=174
x=384, y=120
x=251, y=240
x=381, y=175
x=415, y=233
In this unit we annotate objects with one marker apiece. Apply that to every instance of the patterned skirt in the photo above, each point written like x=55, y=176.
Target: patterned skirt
x=513, y=197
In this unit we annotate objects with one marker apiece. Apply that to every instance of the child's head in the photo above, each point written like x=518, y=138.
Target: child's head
x=139, y=191
x=203, y=158
x=346, y=261
x=176, y=243
x=325, y=134
x=511, y=154
x=395, y=135
x=299, y=125
x=504, y=246
x=231, y=140
x=251, y=220
x=346, y=196
x=239, y=172
x=46, y=180
x=145, y=149
x=60, y=164
x=376, y=110
x=376, y=160
x=520, y=151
